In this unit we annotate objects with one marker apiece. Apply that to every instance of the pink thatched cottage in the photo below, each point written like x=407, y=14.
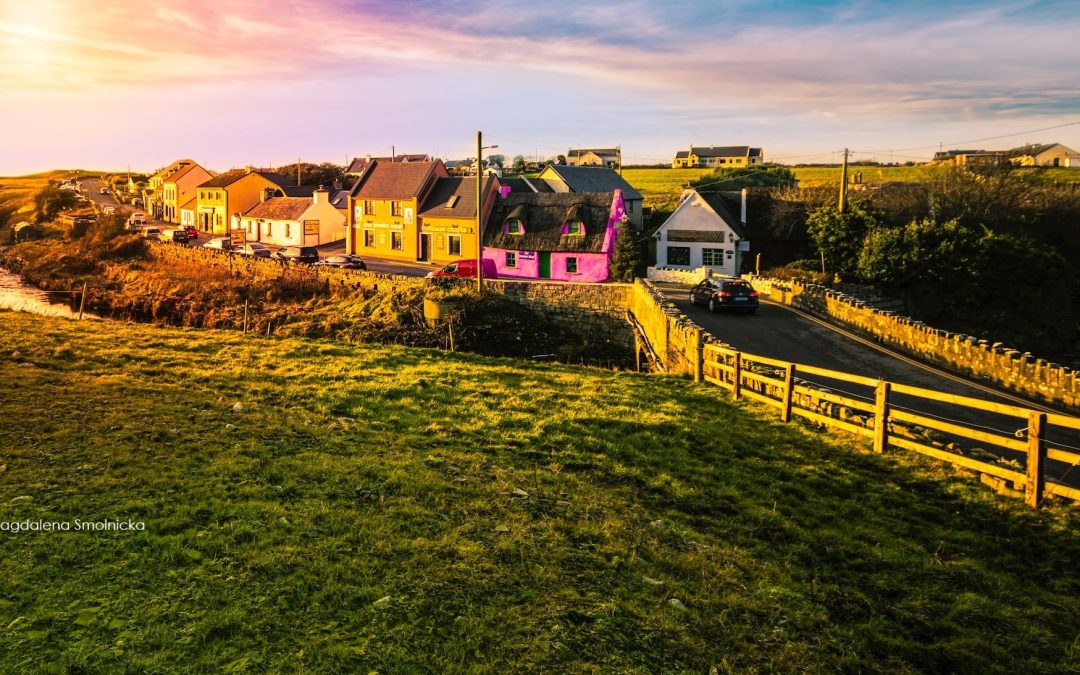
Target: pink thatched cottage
x=554, y=235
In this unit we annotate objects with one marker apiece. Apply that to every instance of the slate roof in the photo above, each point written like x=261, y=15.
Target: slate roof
x=543, y=216
x=523, y=184
x=435, y=206
x=360, y=163
x=280, y=208
x=726, y=151
x=726, y=207
x=401, y=180
x=594, y=179
x=180, y=173
x=578, y=152
x=682, y=154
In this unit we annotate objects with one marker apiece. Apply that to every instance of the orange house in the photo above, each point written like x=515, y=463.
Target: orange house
x=384, y=207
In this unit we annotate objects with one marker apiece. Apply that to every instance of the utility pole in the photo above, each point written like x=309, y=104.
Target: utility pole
x=297, y=172
x=479, y=215
x=843, y=183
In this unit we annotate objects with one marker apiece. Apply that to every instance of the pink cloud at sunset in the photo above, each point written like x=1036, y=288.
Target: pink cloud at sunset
x=241, y=81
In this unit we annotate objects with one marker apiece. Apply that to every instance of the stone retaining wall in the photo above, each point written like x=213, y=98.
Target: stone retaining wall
x=980, y=359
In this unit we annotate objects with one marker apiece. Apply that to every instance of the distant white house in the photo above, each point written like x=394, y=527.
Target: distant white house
x=703, y=232
x=295, y=221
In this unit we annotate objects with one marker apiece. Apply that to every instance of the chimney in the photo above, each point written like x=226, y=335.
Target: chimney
x=742, y=211
x=504, y=190
x=319, y=195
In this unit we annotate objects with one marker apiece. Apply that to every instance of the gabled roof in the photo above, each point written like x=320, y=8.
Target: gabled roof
x=526, y=184
x=439, y=205
x=578, y=152
x=181, y=172
x=384, y=180
x=224, y=179
x=593, y=179
x=359, y=163
x=280, y=208
x=682, y=154
x=190, y=204
x=543, y=215
x=725, y=205
x=725, y=151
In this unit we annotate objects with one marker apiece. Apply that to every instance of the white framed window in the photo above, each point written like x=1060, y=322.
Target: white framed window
x=453, y=245
x=712, y=257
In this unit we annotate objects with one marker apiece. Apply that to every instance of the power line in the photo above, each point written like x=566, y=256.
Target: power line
x=974, y=140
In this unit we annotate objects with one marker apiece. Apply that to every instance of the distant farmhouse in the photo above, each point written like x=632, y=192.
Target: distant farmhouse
x=730, y=156
x=1035, y=154
x=609, y=157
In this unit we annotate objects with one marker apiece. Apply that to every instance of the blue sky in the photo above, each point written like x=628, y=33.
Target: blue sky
x=234, y=82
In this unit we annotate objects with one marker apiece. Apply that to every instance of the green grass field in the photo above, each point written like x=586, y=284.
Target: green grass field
x=358, y=512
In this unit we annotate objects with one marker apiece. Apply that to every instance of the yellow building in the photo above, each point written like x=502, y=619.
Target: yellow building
x=223, y=197
x=383, y=207
x=178, y=188
x=712, y=156
x=152, y=192
x=448, y=219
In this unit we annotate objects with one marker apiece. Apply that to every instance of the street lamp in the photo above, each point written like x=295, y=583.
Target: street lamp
x=480, y=211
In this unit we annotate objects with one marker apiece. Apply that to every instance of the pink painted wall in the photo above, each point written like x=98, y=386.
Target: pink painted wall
x=592, y=267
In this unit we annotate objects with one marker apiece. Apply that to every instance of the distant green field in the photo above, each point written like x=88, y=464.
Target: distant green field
x=661, y=187
x=383, y=509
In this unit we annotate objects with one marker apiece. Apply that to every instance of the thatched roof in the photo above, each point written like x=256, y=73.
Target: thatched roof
x=543, y=215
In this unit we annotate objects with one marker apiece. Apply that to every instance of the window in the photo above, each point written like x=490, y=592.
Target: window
x=511, y=258
x=369, y=238
x=514, y=227
x=288, y=230
x=369, y=207
x=453, y=245
x=678, y=255
x=395, y=208
x=269, y=229
x=571, y=266
x=712, y=256
x=575, y=228
x=395, y=241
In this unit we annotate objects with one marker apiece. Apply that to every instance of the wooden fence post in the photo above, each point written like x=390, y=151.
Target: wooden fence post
x=245, y=316
x=1035, y=484
x=789, y=390
x=737, y=374
x=82, y=301
x=881, y=417
x=699, y=357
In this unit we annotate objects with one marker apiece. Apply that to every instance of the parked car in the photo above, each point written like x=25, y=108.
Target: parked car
x=298, y=254
x=725, y=293
x=345, y=262
x=177, y=236
x=136, y=220
x=109, y=210
x=192, y=233
x=152, y=233
x=466, y=269
x=104, y=190
x=219, y=244
x=254, y=249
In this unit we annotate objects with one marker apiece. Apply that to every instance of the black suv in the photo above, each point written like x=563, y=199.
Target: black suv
x=299, y=254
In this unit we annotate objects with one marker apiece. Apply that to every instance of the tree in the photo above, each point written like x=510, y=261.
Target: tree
x=51, y=200
x=627, y=255
x=313, y=174
x=519, y=164
x=561, y=160
x=497, y=160
x=772, y=175
x=840, y=236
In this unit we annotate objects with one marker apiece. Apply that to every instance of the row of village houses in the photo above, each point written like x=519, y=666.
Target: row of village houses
x=561, y=224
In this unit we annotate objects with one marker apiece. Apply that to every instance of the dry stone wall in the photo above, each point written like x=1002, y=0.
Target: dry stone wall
x=980, y=359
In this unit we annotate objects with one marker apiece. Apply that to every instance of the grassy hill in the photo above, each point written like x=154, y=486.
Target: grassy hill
x=394, y=509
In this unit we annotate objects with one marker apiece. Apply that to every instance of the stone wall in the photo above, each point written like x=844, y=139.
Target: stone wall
x=596, y=311
x=671, y=275
x=979, y=359
x=676, y=339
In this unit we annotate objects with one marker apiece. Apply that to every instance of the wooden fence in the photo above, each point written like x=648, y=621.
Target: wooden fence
x=778, y=384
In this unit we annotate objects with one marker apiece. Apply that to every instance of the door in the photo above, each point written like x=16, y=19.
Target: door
x=425, y=247
x=545, y=265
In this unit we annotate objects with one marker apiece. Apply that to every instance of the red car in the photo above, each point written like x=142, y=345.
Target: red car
x=466, y=269
x=192, y=233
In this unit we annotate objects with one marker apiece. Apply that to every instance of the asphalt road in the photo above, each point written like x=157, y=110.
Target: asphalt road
x=779, y=332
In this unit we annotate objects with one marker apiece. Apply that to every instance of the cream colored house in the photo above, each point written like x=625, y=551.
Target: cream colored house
x=294, y=221
x=609, y=157
x=704, y=232
x=714, y=156
x=1051, y=154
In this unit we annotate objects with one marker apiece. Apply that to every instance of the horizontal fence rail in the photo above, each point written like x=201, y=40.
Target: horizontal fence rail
x=1017, y=465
